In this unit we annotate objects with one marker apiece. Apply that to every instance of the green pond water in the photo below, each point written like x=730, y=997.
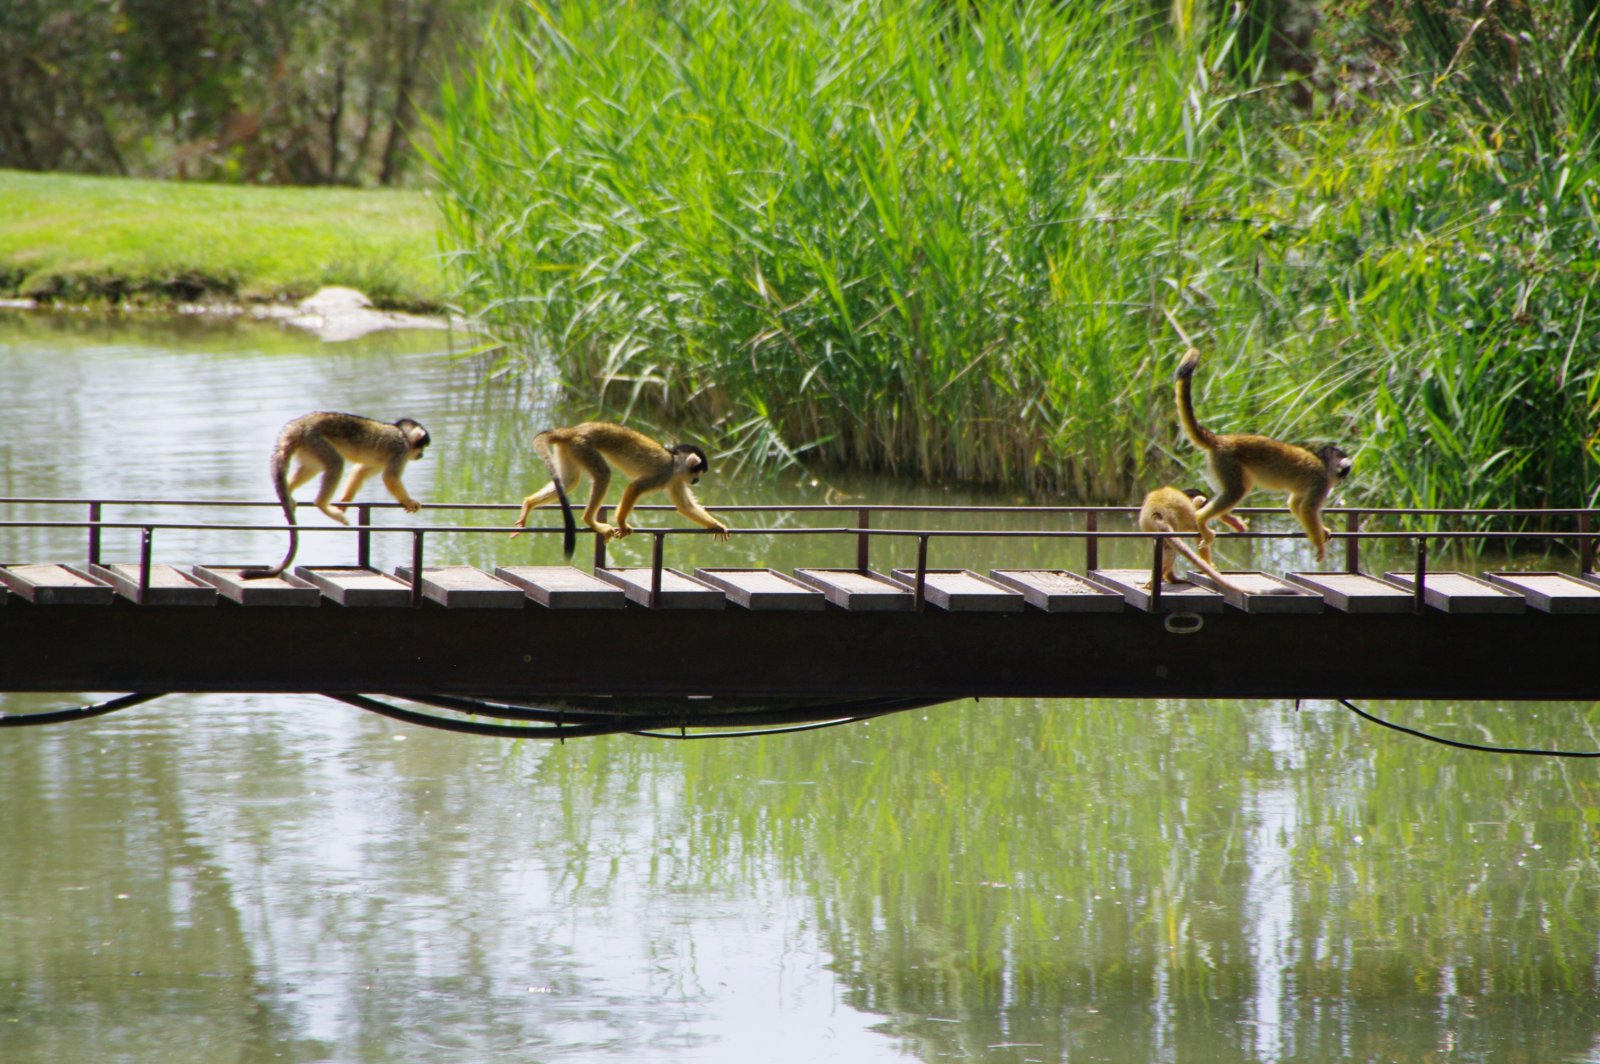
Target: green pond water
x=229, y=878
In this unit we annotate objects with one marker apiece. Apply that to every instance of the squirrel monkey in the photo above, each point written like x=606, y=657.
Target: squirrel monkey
x=1169, y=510
x=322, y=442
x=1239, y=461
x=588, y=448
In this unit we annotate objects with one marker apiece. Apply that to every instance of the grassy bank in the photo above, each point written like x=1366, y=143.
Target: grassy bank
x=93, y=239
x=889, y=236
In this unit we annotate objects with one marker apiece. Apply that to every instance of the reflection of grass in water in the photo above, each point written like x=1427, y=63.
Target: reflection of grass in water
x=1011, y=864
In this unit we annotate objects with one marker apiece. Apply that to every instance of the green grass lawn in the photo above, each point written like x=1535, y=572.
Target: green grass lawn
x=77, y=239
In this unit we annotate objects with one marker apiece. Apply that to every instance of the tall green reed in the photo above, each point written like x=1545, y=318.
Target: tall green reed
x=907, y=236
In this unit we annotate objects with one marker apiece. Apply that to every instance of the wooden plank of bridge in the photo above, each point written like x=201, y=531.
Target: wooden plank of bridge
x=285, y=589
x=763, y=589
x=1550, y=592
x=563, y=587
x=1059, y=591
x=1257, y=592
x=1182, y=597
x=1356, y=592
x=351, y=585
x=855, y=590
x=962, y=589
x=679, y=591
x=55, y=585
x=1460, y=593
x=463, y=587
x=168, y=586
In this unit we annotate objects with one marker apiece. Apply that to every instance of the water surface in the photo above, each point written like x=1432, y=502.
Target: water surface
x=232, y=878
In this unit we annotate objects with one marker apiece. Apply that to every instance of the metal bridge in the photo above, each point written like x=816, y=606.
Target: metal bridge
x=538, y=646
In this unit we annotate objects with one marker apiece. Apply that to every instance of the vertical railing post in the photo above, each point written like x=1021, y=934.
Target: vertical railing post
x=364, y=536
x=1155, y=576
x=657, y=550
x=1091, y=550
x=146, y=538
x=600, y=542
x=1585, y=545
x=1352, y=546
x=863, y=539
x=920, y=596
x=416, y=567
x=94, y=533
x=1421, y=577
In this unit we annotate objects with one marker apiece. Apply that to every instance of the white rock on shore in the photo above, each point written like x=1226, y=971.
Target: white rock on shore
x=337, y=313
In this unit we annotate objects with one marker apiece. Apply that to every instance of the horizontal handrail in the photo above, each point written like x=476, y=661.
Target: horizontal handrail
x=851, y=530
x=1569, y=511
x=1091, y=533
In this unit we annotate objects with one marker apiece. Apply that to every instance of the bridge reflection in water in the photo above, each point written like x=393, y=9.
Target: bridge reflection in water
x=744, y=646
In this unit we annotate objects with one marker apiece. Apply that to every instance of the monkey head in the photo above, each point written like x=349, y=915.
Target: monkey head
x=691, y=460
x=415, y=435
x=1335, y=461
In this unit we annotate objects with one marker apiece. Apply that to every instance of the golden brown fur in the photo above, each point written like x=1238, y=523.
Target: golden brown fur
x=323, y=442
x=593, y=448
x=1239, y=462
x=1167, y=509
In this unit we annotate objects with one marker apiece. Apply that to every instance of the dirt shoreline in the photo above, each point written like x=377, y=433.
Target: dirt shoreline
x=333, y=313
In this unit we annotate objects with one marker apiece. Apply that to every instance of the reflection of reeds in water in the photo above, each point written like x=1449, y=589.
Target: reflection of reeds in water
x=892, y=237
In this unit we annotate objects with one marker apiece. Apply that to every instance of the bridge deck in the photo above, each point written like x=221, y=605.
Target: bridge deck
x=551, y=632
x=742, y=640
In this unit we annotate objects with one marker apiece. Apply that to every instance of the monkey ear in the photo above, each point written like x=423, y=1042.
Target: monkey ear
x=694, y=461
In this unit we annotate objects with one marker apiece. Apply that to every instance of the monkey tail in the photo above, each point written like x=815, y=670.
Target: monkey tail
x=1200, y=563
x=569, y=534
x=1203, y=565
x=1198, y=434
x=280, y=481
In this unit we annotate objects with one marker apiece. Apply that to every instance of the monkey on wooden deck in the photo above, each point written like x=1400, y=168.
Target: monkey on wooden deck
x=1240, y=461
x=593, y=448
x=323, y=442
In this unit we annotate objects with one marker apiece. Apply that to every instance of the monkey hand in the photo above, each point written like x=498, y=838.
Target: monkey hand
x=605, y=531
x=410, y=506
x=721, y=533
x=337, y=513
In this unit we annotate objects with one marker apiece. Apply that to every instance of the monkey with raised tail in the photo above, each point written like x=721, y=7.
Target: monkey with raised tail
x=323, y=442
x=1166, y=510
x=593, y=448
x=1241, y=461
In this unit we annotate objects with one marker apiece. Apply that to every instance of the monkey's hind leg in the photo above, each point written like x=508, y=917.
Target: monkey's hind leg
x=571, y=477
x=317, y=454
x=1307, y=510
x=1232, y=487
x=304, y=471
x=325, y=490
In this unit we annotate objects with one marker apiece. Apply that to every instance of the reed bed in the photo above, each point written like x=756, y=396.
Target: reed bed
x=944, y=242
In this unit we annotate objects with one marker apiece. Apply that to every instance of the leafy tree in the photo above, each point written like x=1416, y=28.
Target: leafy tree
x=287, y=91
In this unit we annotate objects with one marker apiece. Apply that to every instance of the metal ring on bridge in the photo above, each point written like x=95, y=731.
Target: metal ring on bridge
x=1183, y=623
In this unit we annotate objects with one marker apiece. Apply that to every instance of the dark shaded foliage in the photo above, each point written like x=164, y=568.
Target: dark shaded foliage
x=286, y=91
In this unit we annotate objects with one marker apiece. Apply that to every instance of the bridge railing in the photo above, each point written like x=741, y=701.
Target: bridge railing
x=1581, y=533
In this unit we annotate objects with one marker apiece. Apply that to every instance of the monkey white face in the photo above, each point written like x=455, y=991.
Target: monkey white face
x=1337, y=462
x=691, y=460
x=416, y=437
